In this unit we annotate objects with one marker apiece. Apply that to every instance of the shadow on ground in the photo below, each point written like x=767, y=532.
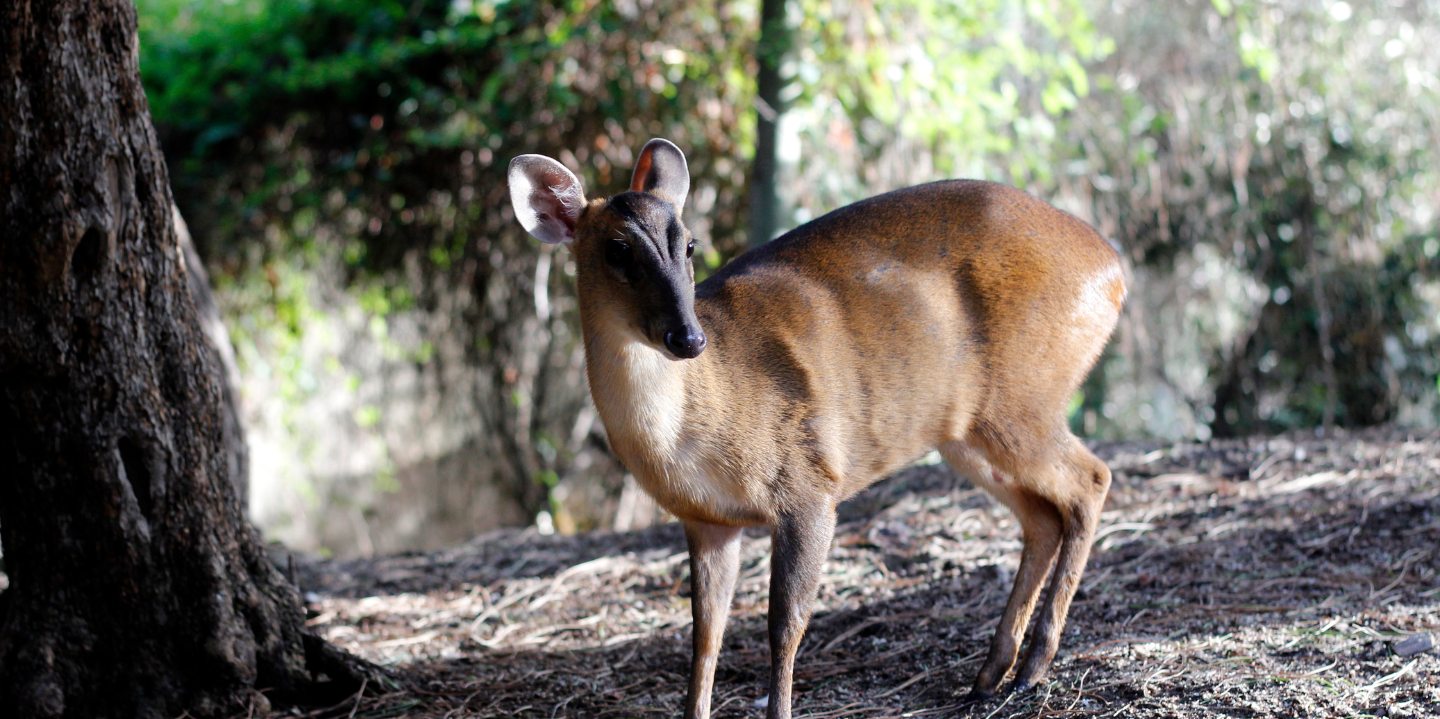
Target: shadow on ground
x=1252, y=578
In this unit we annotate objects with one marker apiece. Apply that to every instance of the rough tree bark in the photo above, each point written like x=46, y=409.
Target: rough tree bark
x=237, y=453
x=137, y=588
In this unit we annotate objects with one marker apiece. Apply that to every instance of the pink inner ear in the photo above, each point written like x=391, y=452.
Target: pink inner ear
x=547, y=199
x=566, y=201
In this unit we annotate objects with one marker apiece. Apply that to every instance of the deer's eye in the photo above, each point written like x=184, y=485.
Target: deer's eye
x=617, y=254
x=690, y=249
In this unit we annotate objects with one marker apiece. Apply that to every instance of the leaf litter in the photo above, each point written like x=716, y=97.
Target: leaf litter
x=1291, y=576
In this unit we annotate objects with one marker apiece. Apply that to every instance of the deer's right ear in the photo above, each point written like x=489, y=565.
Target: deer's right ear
x=547, y=198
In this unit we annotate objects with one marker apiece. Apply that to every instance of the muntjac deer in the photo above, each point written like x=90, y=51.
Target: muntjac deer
x=959, y=316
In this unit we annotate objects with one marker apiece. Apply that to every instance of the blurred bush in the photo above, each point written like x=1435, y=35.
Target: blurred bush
x=410, y=357
x=1270, y=168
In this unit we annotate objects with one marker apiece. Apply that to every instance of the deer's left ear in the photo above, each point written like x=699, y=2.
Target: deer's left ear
x=548, y=198
x=661, y=170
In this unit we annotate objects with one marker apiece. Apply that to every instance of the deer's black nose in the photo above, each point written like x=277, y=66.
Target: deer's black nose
x=685, y=344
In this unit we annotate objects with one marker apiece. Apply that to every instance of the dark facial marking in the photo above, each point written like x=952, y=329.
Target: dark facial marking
x=621, y=257
x=651, y=250
x=651, y=222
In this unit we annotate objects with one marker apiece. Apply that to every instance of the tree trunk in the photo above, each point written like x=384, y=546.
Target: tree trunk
x=137, y=588
x=769, y=52
x=237, y=454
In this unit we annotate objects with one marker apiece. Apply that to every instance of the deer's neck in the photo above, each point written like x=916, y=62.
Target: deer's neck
x=640, y=393
x=665, y=419
x=661, y=415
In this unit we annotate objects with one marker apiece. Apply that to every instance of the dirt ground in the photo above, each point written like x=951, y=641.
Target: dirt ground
x=1272, y=577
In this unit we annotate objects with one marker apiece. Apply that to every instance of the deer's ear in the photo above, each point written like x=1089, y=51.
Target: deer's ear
x=662, y=170
x=548, y=198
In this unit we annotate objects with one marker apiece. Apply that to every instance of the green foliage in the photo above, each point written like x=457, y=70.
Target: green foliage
x=975, y=84
x=1285, y=198
x=363, y=99
x=355, y=153
x=216, y=71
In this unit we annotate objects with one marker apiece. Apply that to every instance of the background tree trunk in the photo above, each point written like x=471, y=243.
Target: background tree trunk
x=770, y=51
x=137, y=588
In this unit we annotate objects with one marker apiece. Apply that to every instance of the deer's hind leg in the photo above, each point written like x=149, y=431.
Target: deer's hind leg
x=1041, y=528
x=1082, y=482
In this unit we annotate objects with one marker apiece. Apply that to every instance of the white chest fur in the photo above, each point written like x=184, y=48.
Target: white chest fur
x=641, y=395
